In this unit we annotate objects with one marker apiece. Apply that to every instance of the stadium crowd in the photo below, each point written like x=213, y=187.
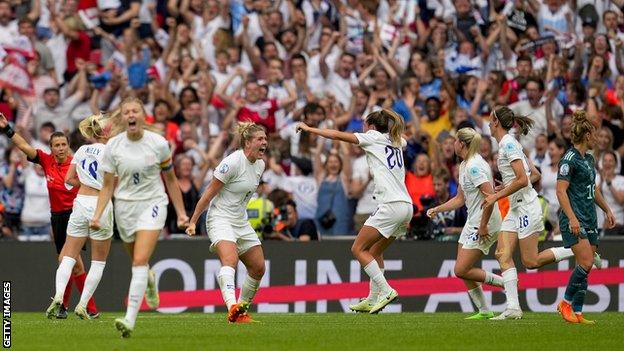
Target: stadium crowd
x=200, y=66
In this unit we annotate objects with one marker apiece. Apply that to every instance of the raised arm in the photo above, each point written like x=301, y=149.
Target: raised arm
x=329, y=133
x=17, y=139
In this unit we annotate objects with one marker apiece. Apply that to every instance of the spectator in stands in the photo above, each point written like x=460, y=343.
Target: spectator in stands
x=612, y=187
x=190, y=186
x=556, y=149
x=36, y=211
x=604, y=144
x=291, y=228
x=12, y=189
x=333, y=214
x=446, y=226
x=419, y=181
x=362, y=188
x=436, y=119
x=56, y=110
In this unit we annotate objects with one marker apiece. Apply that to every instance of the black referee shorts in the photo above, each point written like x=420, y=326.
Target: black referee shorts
x=59, y=228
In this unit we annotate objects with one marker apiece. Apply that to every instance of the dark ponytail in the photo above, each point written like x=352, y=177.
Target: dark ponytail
x=508, y=119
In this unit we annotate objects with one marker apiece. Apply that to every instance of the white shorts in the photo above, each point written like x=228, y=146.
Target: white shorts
x=82, y=213
x=391, y=219
x=470, y=240
x=243, y=235
x=524, y=219
x=133, y=216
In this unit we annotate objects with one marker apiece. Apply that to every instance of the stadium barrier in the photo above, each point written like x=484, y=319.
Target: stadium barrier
x=309, y=277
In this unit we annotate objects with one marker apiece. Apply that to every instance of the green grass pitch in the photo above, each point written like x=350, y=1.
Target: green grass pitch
x=332, y=331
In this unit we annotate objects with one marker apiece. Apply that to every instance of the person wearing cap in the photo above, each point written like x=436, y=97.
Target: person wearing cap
x=589, y=20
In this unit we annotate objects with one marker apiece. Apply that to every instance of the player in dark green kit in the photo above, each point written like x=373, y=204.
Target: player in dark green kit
x=578, y=195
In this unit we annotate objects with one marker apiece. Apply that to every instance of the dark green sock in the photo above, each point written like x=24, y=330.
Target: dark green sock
x=576, y=283
x=579, y=297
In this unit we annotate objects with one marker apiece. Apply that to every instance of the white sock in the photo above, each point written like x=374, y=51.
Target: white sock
x=92, y=281
x=478, y=298
x=510, y=279
x=493, y=279
x=376, y=275
x=248, y=291
x=561, y=253
x=63, y=273
x=373, y=292
x=226, y=283
x=138, y=284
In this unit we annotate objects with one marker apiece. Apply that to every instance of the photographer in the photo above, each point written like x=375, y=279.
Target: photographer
x=288, y=227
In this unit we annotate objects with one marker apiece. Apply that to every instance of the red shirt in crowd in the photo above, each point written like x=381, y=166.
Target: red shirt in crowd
x=78, y=48
x=262, y=113
x=61, y=195
x=418, y=187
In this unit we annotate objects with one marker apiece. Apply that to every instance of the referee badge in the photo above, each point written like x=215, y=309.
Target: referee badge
x=564, y=170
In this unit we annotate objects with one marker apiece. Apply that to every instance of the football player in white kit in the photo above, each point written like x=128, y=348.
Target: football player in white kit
x=234, y=181
x=85, y=173
x=523, y=223
x=482, y=226
x=138, y=157
x=383, y=145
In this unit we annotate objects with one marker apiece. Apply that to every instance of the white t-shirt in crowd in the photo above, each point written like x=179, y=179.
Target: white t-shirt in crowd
x=8, y=33
x=616, y=208
x=538, y=115
x=549, y=187
x=387, y=166
x=36, y=209
x=289, y=133
x=472, y=174
x=137, y=164
x=304, y=190
x=340, y=87
x=366, y=204
x=241, y=179
x=509, y=149
x=88, y=159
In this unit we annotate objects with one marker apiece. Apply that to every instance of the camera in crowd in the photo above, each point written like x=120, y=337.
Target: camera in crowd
x=421, y=227
x=275, y=221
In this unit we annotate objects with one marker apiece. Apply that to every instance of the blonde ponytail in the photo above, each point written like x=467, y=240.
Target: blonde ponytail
x=90, y=127
x=102, y=125
x=471, y=139
x=396, y=127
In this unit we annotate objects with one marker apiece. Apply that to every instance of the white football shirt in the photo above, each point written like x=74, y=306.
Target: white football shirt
x=387, y=166
x=472, y=174
x=137, y=164
x=509, y=149
x=88, y=159
x=241, y=179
